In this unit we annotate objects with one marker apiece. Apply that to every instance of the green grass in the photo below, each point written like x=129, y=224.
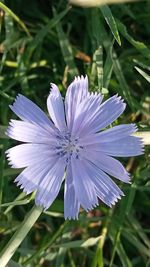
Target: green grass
x=41, y=43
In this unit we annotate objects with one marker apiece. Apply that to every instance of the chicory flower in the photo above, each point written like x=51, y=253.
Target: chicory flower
x=73, y=146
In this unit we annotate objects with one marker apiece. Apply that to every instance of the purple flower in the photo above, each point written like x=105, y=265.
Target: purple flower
x=71, y=147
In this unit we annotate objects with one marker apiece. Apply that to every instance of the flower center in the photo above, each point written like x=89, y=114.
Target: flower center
x=68, y=147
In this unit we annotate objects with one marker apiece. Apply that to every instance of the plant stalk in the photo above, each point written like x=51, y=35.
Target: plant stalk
x=19, y=235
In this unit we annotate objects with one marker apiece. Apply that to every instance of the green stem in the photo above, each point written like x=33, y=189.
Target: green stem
x=19, y=235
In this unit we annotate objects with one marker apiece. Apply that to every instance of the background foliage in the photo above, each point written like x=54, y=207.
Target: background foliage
x=48, y=41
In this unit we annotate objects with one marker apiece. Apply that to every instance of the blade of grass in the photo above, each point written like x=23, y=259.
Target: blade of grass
x=106, y=11
x=2, y=162
x=99, y=65
x=144, y=74
x=15, y=17
x=19, y=235
x=126, y=93
x=37, y=41
x=79, y=243
x=126, y=207
x=120, y=251
x=138, y=229
x=108, y=67
x=66, y=49
x=98, y=259
x=141, y=47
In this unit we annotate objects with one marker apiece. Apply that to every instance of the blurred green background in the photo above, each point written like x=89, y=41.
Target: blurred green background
x=45, y=41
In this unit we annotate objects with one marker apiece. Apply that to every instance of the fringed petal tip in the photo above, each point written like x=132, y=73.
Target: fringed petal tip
x=114, y=200
x=121, y=100
x=25, y=185
x=8, y=131
x=76, y=217
x=81, y=78
x=54, y=91
x=90, y=207
x=81, y=81
x=142, y=146
x=140, y=143
x=135, y=128
x=118, y=99
x=18, y=98
x=22, y=187
x=9, y=159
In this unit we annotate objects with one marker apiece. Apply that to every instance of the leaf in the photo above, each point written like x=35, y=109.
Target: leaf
x=108, y=67
x=80, y=243
x=15, y=17
x=66, y=50
x=15, y=203
x=143, y=73
x=139, y=230
x=120, y=251
x=125, y=90
x=41, y=34
x=141, y=47
x=99, y=65
x=136, y=243
x=106, y=11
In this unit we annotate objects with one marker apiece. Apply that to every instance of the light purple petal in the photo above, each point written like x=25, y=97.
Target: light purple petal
x=106, y=189
x=126, y=147
x=26, y=110
x=28, y=132
x=112, y=134
x=56, y=108
x=117, y=132
x=30, y=178
x=49, y=187
x=84, y=188
x=108, y=112
x=76, y=93
x=86, y=110
x=108, y=164
x=29, y=154
x=71, y=204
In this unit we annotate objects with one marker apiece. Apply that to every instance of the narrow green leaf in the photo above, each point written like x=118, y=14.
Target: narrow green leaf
x=144, y=74
x=141, y=47
x=120, y=251
x=139, y=230
x=66, y=50
x=45, y=29
x=108, y=67
x=15, y=17
x=142, y=64
x=136, y=243
x=80, y=243
x=125, y=90
x=19, y=235
x=99, y=65
x=15, y=203
x=37, y=41
x=106, y=11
